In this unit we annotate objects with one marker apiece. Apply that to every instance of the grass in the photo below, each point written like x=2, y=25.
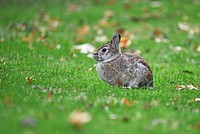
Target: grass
x=66, y=72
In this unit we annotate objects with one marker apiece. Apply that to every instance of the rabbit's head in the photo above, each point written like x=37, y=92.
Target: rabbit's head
x=109, y=51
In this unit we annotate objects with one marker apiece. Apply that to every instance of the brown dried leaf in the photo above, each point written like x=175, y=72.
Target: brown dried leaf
x=121, y=30
x=125, y=42
x=126, y=39
x=84, y=30
x=8, y=101
x=104, y=23
x=28, y=39
x=159, y=36
x=79, y=118
x=29, y=80
x=126, y=102
x=49, y=96
x=157, y=33
x=54, y=24
x=180, y=87
x=127, y=6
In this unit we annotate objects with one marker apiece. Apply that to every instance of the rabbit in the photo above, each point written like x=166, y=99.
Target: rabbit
x=125, y=70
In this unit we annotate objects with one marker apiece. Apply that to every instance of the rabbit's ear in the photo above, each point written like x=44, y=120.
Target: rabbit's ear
x=116, y=40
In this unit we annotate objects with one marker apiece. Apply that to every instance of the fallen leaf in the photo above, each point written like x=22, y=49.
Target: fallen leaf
x=157, y=33
x=85, y=48
x=177, y=48
x=192, y=87
x=79, y=39
x=159, y=36
x=49, y=96
x=84, y=30
x=29, y=80
x=192, y=30
x=79, y=118
x=53, y=24
x=8, y=101
x=110, y=101
x=121, y=31
x=180, y=87
x=197, y=99
x=126, y=102
x=29, y=39
x=125, y=42
x=183, y=26
x=126, y=39
x=175, y=99
x=198, y=49
x=104, y=22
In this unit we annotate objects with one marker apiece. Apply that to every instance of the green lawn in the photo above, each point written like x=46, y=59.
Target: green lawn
x=43, y=80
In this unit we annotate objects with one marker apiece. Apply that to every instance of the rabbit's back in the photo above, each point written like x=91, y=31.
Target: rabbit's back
x=128, y=70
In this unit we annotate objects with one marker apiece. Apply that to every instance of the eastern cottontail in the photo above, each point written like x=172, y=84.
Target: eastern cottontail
x=126, y=70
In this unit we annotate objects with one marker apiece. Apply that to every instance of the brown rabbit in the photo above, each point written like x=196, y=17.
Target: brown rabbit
x=126, y=70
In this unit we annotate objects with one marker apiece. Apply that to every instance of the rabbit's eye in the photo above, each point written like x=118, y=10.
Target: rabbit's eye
x=104, y=49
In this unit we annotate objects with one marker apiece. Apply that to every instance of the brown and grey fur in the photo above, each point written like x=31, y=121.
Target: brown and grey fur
x=126, y=70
